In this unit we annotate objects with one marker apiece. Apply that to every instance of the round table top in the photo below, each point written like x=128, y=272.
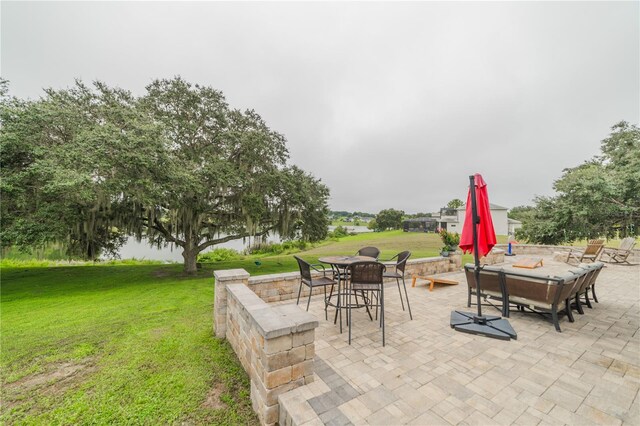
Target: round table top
x=345, y=260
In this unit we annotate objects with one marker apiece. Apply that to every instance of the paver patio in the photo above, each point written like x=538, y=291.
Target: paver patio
x=429, y=374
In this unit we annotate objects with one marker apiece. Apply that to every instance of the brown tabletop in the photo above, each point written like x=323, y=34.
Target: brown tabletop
x=343, y=261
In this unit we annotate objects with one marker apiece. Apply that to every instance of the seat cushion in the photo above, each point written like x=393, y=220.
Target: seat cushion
x=533, y=304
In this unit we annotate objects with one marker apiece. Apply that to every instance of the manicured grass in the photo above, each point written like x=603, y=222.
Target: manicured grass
x=344, y=223
x=390, y=243
x=611, y=242
x=115, y=345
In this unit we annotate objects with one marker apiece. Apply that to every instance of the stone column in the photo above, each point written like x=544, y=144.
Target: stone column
x=455, y=261
x=223, y=278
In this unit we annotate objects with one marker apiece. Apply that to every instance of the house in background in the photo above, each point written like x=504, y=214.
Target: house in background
x=420, y=224
x=513, y=225
x=453, y=220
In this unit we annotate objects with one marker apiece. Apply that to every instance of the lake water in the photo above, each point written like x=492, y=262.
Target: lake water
x=142, y=250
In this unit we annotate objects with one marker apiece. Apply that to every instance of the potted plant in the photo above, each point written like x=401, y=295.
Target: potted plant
x=450, y=241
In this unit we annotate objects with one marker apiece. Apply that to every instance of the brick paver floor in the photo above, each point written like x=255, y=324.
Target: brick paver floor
x=429, y=374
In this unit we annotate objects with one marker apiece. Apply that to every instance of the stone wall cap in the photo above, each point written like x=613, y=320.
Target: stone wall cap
x=425, y=259
x=303, y=320
x=272, y=321
x=274, y=277
x=247, y=298
x=230, y=274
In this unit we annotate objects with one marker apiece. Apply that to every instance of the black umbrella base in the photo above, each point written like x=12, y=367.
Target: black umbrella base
x=486, y=325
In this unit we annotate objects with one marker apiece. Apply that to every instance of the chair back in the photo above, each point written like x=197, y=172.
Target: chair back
x=367, y=272
x=598, y=268
x=584, y=278
x=305, y=268
x=490, y=279
x=369, y=251
x=627, y=243
x=402, y=260
x=540, y=290
x=593, y=248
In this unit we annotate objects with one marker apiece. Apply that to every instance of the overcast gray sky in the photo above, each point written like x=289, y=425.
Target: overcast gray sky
x=390, y=104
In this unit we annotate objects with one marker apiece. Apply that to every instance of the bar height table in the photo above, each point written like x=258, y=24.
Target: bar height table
x=339, y=265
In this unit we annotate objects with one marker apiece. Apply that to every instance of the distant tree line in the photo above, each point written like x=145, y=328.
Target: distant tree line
x=600, y=198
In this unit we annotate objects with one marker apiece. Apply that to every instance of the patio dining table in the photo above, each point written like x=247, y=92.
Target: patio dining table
x=339, y=265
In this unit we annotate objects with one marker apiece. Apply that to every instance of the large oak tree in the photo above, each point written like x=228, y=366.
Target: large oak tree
x=176, y=165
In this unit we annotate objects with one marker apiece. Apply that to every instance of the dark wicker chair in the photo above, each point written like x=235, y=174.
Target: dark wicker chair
x=398, y=274
x=309, y=281
x=369, y=251
x=364, y=251
x=367, y=277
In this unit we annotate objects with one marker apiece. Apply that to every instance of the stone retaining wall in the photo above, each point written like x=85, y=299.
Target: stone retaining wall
x=275, y=345
x=222, y=279
x=285, y=286
x=533, y=249
x=496, y=255
x=278, y=287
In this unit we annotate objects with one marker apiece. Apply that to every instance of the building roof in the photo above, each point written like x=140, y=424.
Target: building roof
x=509, y=220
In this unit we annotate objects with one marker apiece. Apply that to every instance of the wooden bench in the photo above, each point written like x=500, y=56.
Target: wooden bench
x=432, y=281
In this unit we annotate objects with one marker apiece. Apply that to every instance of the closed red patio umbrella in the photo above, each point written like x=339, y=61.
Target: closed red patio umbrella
x=484, y=229
x=479, y=237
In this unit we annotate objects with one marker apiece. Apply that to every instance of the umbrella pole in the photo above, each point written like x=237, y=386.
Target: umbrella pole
x=466, y=322
x=476, y=258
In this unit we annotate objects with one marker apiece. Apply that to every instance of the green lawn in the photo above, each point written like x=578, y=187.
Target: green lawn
x=340, y=222
x=390, y=243
x=115, y=344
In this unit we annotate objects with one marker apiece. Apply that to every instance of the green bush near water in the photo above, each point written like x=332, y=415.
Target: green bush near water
x=340, y=232
x=278, y=248
x=218, y=255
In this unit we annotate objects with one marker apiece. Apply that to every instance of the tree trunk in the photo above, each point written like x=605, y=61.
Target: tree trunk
x=190, y=264
x=190, y=254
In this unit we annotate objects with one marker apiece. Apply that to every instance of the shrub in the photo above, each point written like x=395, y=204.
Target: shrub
x=218, y=255
x=339, y=232
x=278, y=248
x=449, y=239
